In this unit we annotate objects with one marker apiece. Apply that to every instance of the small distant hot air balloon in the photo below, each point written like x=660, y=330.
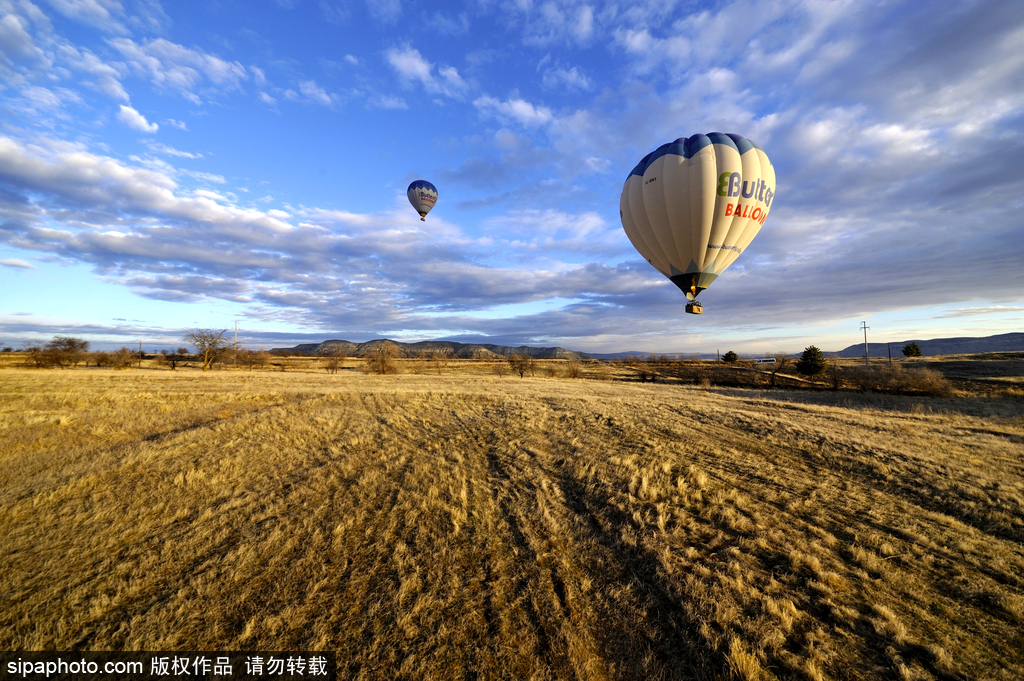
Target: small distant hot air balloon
x=422, y=196
x=692, y=206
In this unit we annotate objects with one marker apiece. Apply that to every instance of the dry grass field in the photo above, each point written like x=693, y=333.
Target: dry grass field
x=468, y=525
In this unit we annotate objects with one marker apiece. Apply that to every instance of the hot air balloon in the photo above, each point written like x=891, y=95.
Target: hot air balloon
x=692, y=206
x=422, y=195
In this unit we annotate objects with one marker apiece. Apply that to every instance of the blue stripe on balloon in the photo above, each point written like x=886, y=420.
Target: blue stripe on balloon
x=722, y=138
x=687, y=147
x=743, y=145
x=641, y=166
x=421, y=184
x=696, y=143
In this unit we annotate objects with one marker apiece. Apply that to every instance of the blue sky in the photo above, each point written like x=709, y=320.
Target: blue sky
x=178, y=165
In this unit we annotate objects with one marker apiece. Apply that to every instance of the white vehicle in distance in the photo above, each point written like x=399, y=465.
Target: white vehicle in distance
x=767, y=360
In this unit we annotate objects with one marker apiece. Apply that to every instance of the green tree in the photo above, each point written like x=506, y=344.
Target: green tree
x=812, y=362
x=912, y=350
x=730, y=357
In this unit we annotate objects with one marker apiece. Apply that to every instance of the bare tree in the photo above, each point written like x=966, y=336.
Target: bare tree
x=834, y=372
x=251, y=359
x=331, y=359
x=209, y=344
x=573, y=369
x=66, y=351
x=521, y=364
x=62, y=351
x=781, y=360
x=35, y=354
x=381, y=359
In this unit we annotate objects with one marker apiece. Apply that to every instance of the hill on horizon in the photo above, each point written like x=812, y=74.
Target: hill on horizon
x=458, y=350
x=1004, y=342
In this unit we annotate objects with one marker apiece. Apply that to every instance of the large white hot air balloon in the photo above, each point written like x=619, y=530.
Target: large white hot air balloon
x=422, y=195
x=692, y=206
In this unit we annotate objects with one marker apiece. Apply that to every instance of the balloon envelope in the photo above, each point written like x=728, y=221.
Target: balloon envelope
x=422, y=195
x=692, y=206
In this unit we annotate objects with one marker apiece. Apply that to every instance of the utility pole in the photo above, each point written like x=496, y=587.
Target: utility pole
x=889, y=347
x=865, y=327
x=140, y=354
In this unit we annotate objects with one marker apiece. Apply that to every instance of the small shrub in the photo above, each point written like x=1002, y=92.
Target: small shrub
x=893, y=379
x=573, y=369
x=122, y=359
x=258, y=358
x=834, y=373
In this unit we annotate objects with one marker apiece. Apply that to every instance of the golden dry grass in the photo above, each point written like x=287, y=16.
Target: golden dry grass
x=476, y=526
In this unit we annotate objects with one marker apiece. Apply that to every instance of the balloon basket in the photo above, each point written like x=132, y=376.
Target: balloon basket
x=694, y=308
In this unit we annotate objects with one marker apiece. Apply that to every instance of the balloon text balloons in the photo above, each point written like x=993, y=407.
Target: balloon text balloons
x=692, y=206
x=422, y=195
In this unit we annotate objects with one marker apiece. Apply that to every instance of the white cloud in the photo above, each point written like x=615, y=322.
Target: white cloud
x=177, y=124
x=572, y=79
x=171, y=151
x=204, y=177
x=95, y=13
x=981, y=311
x=15, y=42
x=385, y=11
x=169, y=65
x=442, y=24
x=103, y=76
x=411, y=66
x=17, y=264
x=552, y=22
x=133, y=119
x=315, y=93
x=516, y=109
x=36, y=99
x=388, y=102
x=317, y=266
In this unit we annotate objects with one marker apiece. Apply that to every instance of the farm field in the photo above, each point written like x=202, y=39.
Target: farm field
x=468, y=525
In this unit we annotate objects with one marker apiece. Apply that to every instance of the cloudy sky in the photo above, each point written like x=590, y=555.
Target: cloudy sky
x=177, y=165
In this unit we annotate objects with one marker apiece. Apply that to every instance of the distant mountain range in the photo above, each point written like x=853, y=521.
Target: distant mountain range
x=458, y=350
x=1004, y=342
